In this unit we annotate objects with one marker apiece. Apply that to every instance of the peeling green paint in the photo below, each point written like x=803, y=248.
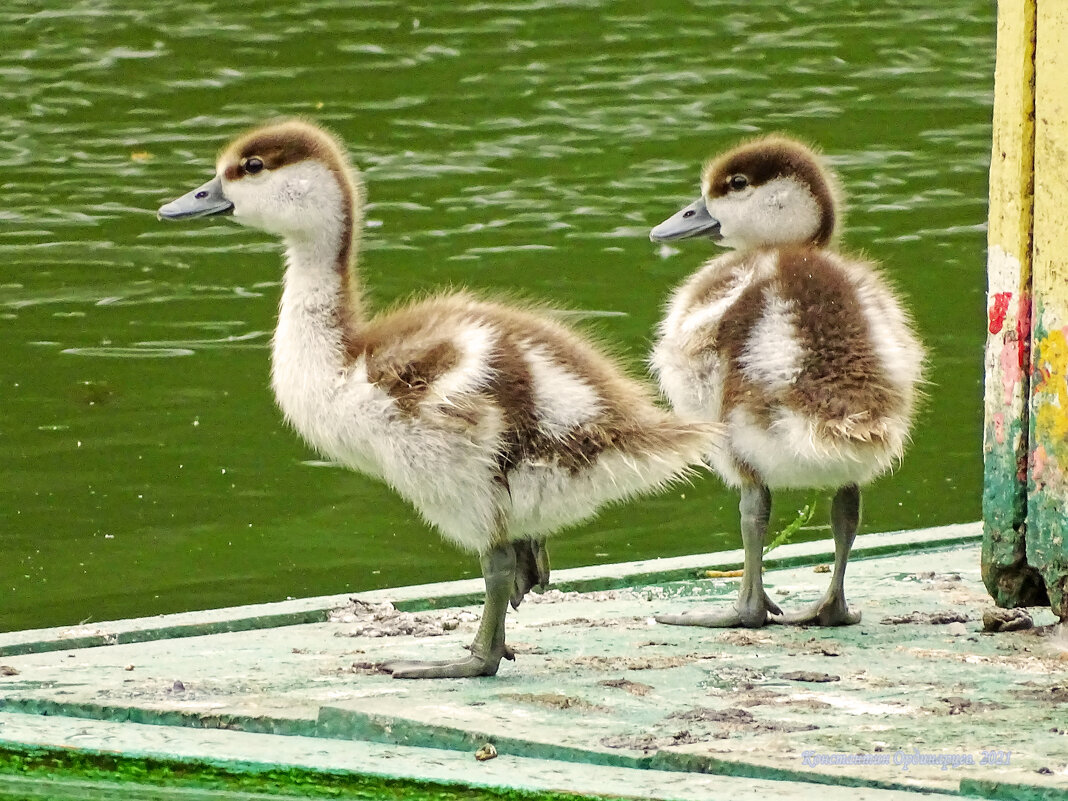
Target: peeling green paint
x=1047, y=548
x=1008, y=576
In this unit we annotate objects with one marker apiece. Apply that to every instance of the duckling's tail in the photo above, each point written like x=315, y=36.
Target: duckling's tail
x=677, y=441
x=656, y=452
x=639, y=456
x=861, y=428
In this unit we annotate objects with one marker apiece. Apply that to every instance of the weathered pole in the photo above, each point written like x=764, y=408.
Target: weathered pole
x=1025, y=442
x=1047, y=489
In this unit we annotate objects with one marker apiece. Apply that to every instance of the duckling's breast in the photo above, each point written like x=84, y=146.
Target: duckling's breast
x=688, y=358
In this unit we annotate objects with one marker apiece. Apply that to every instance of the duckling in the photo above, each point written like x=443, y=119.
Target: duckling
x=803, y=353
x=497, y=422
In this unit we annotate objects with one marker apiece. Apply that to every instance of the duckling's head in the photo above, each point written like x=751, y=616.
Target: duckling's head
x=290, y=178
x=768, y=192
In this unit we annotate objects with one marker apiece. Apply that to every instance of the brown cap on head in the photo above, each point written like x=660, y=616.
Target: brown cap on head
x=767, y=158
x=291, y=141
x=280, y=143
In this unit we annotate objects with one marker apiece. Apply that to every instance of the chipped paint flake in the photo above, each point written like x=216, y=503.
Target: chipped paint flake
x=1050, y=380
x=999, y=307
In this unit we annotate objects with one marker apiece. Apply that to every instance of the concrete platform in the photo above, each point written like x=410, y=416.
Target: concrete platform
x=601, y=700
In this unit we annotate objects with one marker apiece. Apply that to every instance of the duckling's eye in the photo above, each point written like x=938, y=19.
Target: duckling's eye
x=738, y=182
x=252, y=165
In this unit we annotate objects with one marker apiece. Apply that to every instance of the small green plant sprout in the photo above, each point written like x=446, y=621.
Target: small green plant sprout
x=804, y=515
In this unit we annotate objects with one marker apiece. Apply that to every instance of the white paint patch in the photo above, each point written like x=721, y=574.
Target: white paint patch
x=1003, y=270
x=852, y=706
x=1005, y=394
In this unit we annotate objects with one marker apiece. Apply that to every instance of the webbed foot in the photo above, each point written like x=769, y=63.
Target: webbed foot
x=740, y=615
x=753, y=608
x=488, y=648
x=825, y=612
x=462, y=668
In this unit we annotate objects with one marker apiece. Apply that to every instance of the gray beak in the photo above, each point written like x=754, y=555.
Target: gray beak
x=204, y=201
x=694, y=220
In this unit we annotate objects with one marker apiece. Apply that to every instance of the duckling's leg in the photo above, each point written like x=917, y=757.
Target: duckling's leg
x=531, y=568
x=831, y=610
x=488, y=648
x=753, y=605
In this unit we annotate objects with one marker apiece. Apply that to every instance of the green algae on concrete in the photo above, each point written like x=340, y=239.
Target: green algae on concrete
x=349, y=767
x=108, y=775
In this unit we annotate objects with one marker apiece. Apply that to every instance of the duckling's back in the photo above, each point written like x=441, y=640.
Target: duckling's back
x=806, y=355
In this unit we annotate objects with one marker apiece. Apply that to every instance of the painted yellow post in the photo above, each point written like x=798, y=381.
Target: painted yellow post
x=1047, y=511
x=1008, y=577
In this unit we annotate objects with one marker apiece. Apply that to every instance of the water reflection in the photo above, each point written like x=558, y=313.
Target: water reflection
x=519, y=148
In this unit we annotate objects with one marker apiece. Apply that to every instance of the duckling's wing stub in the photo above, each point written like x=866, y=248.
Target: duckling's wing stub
x=204, y=201
x=694, y=220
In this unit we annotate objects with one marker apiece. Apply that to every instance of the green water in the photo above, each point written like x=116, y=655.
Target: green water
x=515, y=146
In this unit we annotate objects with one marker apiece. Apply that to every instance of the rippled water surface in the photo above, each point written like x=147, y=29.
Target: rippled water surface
x=516, y=146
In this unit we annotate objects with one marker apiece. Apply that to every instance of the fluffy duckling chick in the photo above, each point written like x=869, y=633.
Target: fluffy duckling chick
x=805, y=354
x=498, y=423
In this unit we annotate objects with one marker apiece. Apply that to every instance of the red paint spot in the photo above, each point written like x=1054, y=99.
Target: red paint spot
x=998, y=309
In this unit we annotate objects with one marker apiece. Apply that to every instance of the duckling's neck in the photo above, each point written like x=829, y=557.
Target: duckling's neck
x=320, y=317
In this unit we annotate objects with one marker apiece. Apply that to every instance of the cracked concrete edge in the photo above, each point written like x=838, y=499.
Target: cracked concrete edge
x=460, y=593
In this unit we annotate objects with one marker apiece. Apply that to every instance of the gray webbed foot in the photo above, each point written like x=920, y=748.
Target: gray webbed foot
x=461, y=668
x=488, y=648
x=739, y=615
x=825, y=612
x=753, y=608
